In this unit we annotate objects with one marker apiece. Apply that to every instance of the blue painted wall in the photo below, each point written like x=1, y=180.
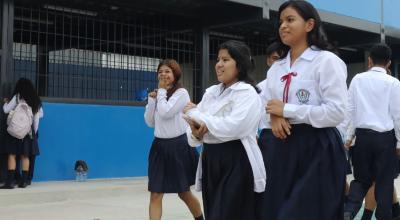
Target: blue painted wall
x=114, y=140
x=89, y=82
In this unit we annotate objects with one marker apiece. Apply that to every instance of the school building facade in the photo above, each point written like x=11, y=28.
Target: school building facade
x=93, y=62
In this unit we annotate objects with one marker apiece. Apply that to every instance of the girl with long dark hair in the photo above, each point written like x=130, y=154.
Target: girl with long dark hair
x=26, y=147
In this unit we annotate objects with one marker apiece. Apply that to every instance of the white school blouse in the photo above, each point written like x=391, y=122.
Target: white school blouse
x=166, y=117
x=231, y=114
x=317, y=94
x=11, y=105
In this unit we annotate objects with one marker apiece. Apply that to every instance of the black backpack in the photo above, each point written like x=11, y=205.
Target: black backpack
x=80, y=165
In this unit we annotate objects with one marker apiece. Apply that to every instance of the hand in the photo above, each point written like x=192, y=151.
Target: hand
x=347, y=145
x=188, y=107
x=280, y=127
x=199, y=132
x=191, y=121
x=275, y=107
x=163, y=83
x=153, y=94
x=5, y=100
x=398, y=152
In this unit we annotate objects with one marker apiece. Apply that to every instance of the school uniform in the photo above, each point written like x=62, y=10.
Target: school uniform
x=172, y=162
x=265, y=135
x=264, y=126
x=342, y=129
x=3, y=155
x=28, y=146
x=306, y=171
x=374, y=111
x=231, y=168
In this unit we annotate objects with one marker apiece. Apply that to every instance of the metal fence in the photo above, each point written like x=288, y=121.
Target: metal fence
x=71, y=53
x=89, y=55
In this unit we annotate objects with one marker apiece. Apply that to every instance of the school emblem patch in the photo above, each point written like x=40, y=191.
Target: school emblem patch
x=303, y=95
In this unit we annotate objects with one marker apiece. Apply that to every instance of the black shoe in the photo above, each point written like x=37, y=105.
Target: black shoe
x=24, y=181
x=6, y=186
x=23, y=185
x=29, y=182
x=348, y=216
x=10, y=180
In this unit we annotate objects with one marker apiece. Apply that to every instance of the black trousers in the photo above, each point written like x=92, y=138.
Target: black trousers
x=374, y=160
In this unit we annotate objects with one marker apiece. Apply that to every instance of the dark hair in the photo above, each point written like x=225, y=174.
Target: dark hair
x=27, y=92
x=380, y=54
x=240, y=52
x=274, y=47
x=176, y=70
x=316, y=37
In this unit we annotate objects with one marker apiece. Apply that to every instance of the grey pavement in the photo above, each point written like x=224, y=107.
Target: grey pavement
x=106, y=199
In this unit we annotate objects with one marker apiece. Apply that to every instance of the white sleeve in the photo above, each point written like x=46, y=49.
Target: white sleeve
x=193, y=141
x=263, y=94
x=261, y=85
x=351, y=111
x=394, y=108
x=264, y=100
x=37, y=118
x=344, y=125
x=176, y=103
x=149, y=112
x=266, y=96
x=332, y=84
x=8, y=107
x=342, y=130
x=241, y=122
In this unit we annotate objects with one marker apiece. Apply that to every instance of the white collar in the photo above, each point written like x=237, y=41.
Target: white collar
x=309, y=54
x=378, y=69
x=216, y=90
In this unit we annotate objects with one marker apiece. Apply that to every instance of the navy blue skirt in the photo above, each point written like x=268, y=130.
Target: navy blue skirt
x=172, y=165
x=227, y=182
x=306, y=175
x=26, y=147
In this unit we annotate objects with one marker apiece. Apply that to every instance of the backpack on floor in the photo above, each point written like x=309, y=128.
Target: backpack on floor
x=80, y=165
x=20, y=120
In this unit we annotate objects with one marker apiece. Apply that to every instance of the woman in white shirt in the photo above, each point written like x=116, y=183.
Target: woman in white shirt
x=27, y=147
x=172, y=162
x=307, y=95
x=225, y=122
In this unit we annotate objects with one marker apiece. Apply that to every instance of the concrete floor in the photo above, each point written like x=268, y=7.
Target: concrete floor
x=110, y=199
